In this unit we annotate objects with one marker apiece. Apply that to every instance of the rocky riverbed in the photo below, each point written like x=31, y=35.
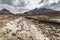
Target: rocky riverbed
x=15, y=27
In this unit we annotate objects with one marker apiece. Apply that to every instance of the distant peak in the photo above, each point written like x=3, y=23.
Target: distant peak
x=5, y=11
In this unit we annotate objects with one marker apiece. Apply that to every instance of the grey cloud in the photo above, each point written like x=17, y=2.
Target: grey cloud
x=25, y=5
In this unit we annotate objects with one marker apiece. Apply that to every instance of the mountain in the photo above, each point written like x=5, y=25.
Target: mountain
x=35, y=11
x=5, y=11
x=43, y=11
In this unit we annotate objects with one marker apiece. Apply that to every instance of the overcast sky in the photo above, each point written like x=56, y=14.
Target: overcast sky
x=21, y=6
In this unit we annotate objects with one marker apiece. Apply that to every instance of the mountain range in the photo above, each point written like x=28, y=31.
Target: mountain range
x=35, y=11
x=43, y=11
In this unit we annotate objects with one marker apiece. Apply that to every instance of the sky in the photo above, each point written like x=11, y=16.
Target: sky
x=21, y=6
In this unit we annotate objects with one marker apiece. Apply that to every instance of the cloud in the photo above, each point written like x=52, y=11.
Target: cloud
x=21, y=6
x=54, y=6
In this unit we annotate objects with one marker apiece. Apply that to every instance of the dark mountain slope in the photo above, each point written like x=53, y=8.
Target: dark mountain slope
x=43, y=11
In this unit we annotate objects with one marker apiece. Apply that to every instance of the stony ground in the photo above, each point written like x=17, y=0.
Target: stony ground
x=4, y=18
x=50, y=31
